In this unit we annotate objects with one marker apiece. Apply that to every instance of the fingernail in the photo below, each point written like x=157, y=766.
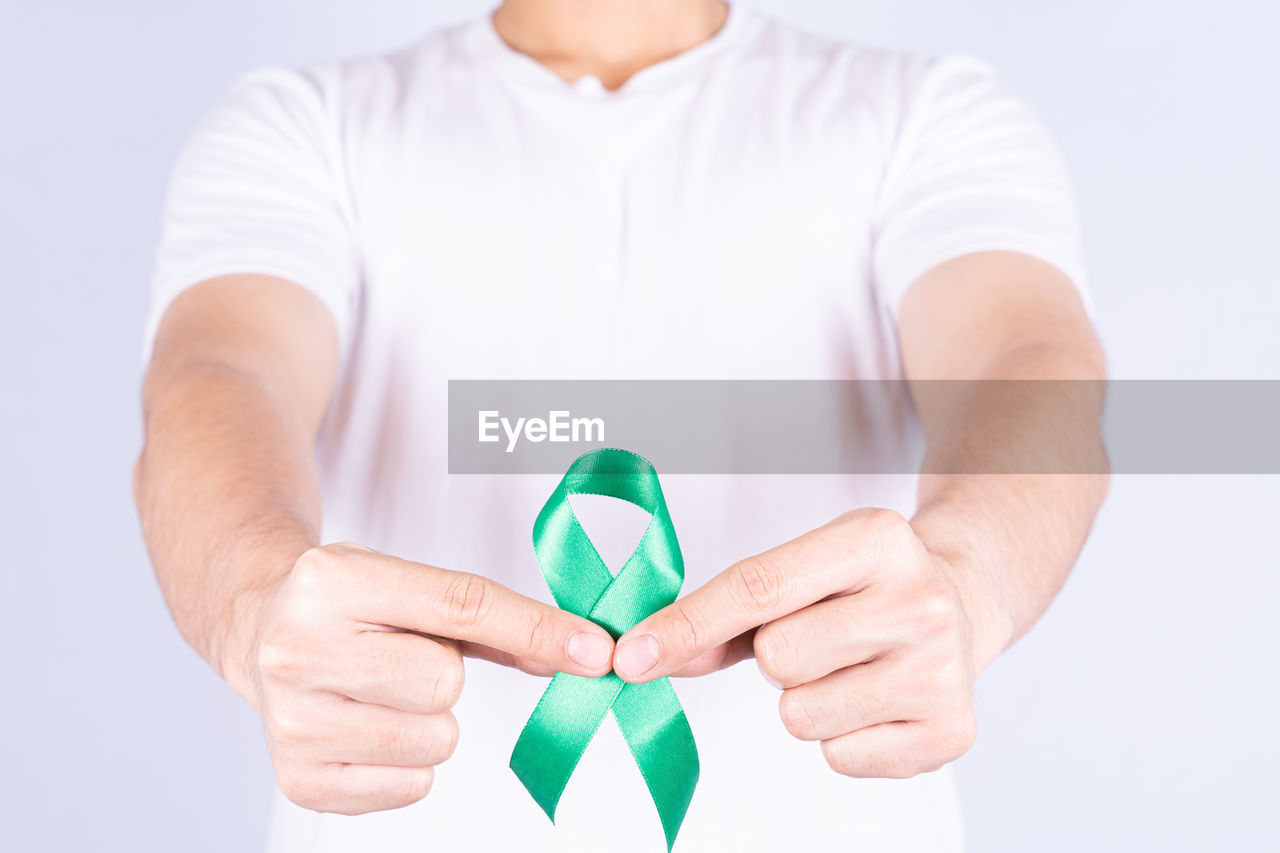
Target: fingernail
x=589, y=650
x=636, y=656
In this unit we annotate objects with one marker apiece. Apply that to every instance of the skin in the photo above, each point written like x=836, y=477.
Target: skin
x=874, y=627
x=610, y=40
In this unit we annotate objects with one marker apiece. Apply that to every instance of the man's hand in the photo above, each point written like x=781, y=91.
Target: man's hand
x=352, y=658
x=857, y=623
x=359, y=659
x=874, y=638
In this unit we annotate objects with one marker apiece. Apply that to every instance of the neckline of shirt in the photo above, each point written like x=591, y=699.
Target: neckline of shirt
x=518, y=67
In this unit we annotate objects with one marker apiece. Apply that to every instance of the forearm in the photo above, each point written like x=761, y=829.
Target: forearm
x=1010, y=534
x=228, y=497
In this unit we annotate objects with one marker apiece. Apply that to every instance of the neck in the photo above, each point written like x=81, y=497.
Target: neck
x=607, y=39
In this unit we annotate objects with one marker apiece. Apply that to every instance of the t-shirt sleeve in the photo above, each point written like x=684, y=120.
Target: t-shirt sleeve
x=258, y=188
x=970, y=169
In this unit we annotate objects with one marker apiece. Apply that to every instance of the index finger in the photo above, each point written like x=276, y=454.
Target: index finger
x=746, y=595
x=476, y=609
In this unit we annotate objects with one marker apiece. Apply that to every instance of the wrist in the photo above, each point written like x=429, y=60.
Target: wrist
x=988, y=621
x=234, y=648
x=234, y=653
x=988, y=625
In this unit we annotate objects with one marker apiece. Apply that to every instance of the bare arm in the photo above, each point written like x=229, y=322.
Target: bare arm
x=873, y=627
x=240, y=376
x=352, y=658
x=1010, y=539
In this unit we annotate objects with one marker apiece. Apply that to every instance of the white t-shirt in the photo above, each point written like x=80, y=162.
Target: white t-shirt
x=761, y=201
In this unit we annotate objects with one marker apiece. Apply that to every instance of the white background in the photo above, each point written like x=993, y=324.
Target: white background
x=1140, y=714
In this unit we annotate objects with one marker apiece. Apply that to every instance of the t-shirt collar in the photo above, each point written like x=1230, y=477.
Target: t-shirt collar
x=519, y=68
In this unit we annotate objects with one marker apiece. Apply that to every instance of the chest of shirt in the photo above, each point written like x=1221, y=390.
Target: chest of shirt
x=493, y=226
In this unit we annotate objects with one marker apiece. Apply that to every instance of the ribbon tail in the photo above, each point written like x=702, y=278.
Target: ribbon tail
x=558, y=732
x=658, y=734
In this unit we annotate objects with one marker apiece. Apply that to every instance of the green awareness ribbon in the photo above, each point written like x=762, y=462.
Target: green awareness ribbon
x=573, y=707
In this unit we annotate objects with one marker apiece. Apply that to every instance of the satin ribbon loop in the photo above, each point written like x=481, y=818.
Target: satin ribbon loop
x=572, y=708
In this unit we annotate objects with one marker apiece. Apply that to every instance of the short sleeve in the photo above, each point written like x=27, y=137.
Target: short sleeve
x=971, y=169
x=258, y=188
